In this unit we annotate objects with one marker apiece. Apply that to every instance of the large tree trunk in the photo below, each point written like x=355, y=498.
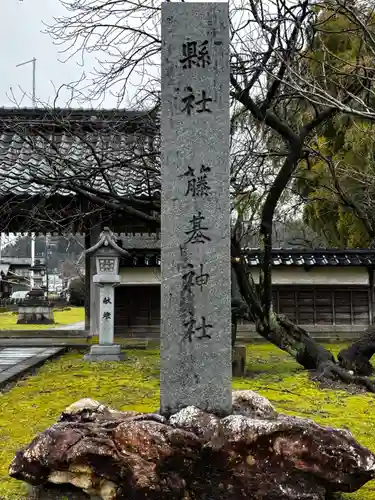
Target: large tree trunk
x=295, y=340
x=357, y=357
x=277, y=329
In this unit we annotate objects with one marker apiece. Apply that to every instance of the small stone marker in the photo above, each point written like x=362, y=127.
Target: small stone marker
x=107, y=254
x=196, y=366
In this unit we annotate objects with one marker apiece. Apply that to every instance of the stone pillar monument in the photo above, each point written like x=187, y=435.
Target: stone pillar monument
x=106, y=253
x=196, y=366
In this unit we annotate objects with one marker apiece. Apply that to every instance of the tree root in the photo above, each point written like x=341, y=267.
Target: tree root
x=329, y=371
x=353, y=365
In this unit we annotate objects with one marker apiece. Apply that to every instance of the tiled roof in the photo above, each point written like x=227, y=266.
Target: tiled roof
x=314, y=258
x=19, y=261
x=280, y=257
x=99, y=150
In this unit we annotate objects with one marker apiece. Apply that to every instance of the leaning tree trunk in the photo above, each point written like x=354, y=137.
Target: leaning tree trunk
x=354, y=361
x=280, y=331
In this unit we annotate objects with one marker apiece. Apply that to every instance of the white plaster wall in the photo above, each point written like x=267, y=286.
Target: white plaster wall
x=317, y=276
x=280, y=276
x=140, y=276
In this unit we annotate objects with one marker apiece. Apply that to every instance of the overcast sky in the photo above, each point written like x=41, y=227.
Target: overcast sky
x=21, y=39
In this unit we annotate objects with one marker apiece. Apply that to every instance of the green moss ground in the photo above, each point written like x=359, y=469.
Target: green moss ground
x=8, y=320
x=35, y=402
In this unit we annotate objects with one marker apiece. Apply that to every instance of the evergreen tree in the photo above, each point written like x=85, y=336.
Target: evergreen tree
x=337, y=181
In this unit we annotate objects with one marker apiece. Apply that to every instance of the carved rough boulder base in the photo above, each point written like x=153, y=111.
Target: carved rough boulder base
x=253, y=454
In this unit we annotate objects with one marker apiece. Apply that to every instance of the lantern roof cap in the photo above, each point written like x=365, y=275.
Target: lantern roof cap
x=107, y=239
x=37, y=265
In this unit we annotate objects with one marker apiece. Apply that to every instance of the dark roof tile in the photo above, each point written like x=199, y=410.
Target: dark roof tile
x=95, y=148
x=318, y=257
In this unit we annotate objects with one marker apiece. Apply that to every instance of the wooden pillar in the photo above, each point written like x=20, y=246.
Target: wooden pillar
x=371, y=304
x=351, y=307
x=296, y=307
x=314, y=306
x=277, y=301
x=333, y=307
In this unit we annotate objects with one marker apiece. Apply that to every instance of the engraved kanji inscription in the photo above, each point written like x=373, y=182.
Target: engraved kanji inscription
x=188, y=279
x=203, y=329
x=106, y=315
x=189, y=329
x=195, y=54
x=190, y=102
x=191, y=278
x=201, y=332
x=107, y=300
x=201, y=279
x=197, y=185
x=197, y=232
x=202, y=104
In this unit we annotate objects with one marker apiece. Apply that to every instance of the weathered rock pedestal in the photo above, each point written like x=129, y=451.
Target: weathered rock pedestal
x=107, y=254
x=35, y=310
x=254, y=453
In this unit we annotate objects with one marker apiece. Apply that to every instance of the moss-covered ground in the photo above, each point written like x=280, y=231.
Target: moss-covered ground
x=8, y=320
x=34, y=403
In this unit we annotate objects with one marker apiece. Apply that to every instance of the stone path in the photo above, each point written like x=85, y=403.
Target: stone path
x=58, y=336
x=16, y=360
x=44, y=342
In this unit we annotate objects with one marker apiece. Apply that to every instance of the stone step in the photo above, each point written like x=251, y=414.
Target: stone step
x=21, y=360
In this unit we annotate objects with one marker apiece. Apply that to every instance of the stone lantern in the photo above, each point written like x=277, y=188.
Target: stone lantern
x=35, y=309
x=107, y=258
x=38, y=271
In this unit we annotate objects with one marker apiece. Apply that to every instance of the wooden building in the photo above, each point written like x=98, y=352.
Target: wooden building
x=323, y=290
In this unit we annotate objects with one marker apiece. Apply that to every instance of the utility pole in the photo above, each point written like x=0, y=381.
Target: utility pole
x=46, y=263
x=33, y=61
x=32, y=260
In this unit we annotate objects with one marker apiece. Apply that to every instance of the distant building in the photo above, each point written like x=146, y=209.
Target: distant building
x=328, y=292
x=15, y=275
